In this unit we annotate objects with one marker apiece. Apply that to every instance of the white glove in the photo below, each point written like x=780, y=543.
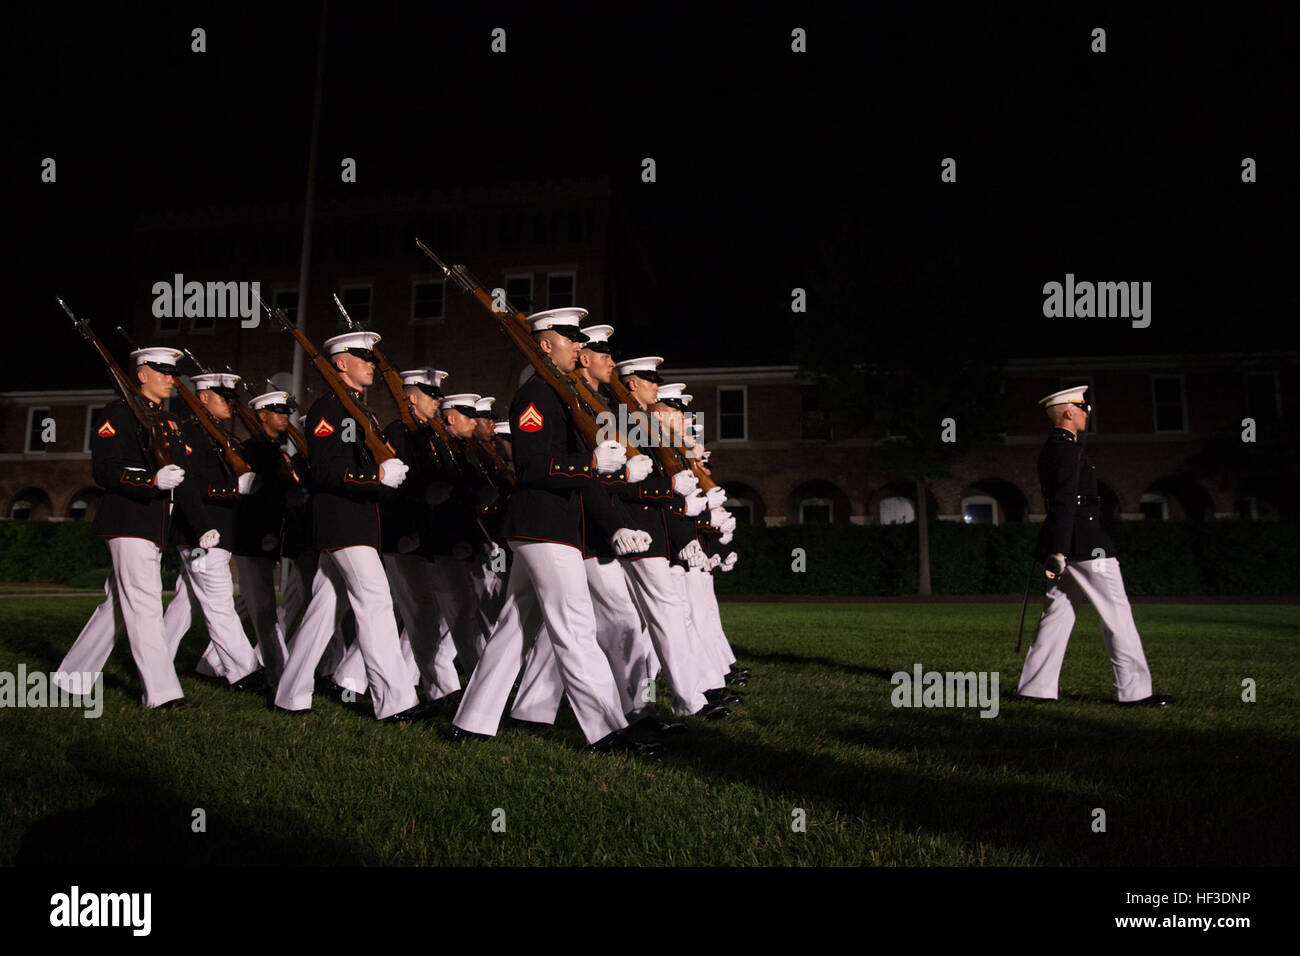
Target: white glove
x=728, y=525
x=730, y=563
x=684, y=482
x=638, y=468
x=210, y=539
x=695, y=504
x=725, y=538
x=393, y=472
x=717, y=496
x=718, y=517
x=693, y=555
x=610, y=456
x=248, y=482
x=714, y=561
x=1056, y=564
x=626, y=541
x=168, y=477
x=704, y=456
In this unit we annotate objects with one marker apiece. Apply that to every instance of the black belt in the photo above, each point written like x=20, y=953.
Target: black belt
x=1088, y=500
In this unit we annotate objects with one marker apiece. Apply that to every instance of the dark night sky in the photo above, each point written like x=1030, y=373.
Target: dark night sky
x=1122, y=166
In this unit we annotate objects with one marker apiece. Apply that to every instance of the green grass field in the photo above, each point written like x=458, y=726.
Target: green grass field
x=1210, y=781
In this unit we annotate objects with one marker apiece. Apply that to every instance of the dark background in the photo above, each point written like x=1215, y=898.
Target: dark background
x=771, y=165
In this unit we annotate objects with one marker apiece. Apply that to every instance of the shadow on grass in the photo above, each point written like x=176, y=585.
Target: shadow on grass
x=142, y=823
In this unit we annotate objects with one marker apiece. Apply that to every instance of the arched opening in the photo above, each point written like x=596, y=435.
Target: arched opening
x=1176, y=498
x=895, y=503
x=744, y=503
x=31, y=504
x=819, y=502
x=83, y=505
x=992, y=501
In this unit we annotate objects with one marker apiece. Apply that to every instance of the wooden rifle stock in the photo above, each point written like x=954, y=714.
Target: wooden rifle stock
x=379, y=449
x=583, y=404
x=234, y=459
x=671, y=458
x=155, y=441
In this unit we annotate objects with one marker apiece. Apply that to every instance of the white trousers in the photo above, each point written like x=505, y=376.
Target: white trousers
x=713, y=673
x=453, y=590
x=1099, y=583
x=622, y=638
x=547, y=584
x=132, y=599
x=713, y=615
x=257, y=590
x=208, y=580
x=662, y=601
x=712, y=648
x=356, y=576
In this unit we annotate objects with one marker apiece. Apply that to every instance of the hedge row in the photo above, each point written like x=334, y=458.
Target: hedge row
x=1157, y=558
x=60, y=552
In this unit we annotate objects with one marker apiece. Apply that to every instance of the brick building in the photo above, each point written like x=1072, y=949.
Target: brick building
x=1166, y=436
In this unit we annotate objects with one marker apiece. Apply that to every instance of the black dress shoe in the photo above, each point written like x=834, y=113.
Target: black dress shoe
x=620, y=742
x=720, y=695
x=458, y=736
x=712, y=712
x=251, y=682
x=735, y=683
x=653, y=725
x=1155, y=700
x=738, y=672
x=424, y=711
x=536, y=726
x=180, y=703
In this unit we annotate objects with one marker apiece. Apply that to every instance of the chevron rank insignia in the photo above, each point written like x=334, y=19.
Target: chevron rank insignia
x=323, y=429
x=106, y=430
x=531, y=419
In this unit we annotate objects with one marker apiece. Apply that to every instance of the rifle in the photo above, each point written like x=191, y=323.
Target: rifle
x=393, y=381
x=234, y=460
x=154, y=441
x=379, y=449
x=670, y=457
x=584, y=405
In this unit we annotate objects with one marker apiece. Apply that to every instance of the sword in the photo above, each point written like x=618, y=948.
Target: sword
x=1025, y=603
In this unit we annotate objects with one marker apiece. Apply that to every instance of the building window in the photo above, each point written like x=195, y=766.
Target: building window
x=742, y=509
x=816, y=511
x=1155, y=508
x=1091, y=395
x=35, y=426
x=77, y=510
x=286, y=300
x=897, y=510
x=816, y=417
x=732, y=424
x=426, y=302
x=519, y=293
x=561, y=289
x=1167, y=394
x=21, y=510
x=203, y=323
x=356, y=299
x=93, y=413
x=979, y=509
x=168, y=323
x=1262, y=400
